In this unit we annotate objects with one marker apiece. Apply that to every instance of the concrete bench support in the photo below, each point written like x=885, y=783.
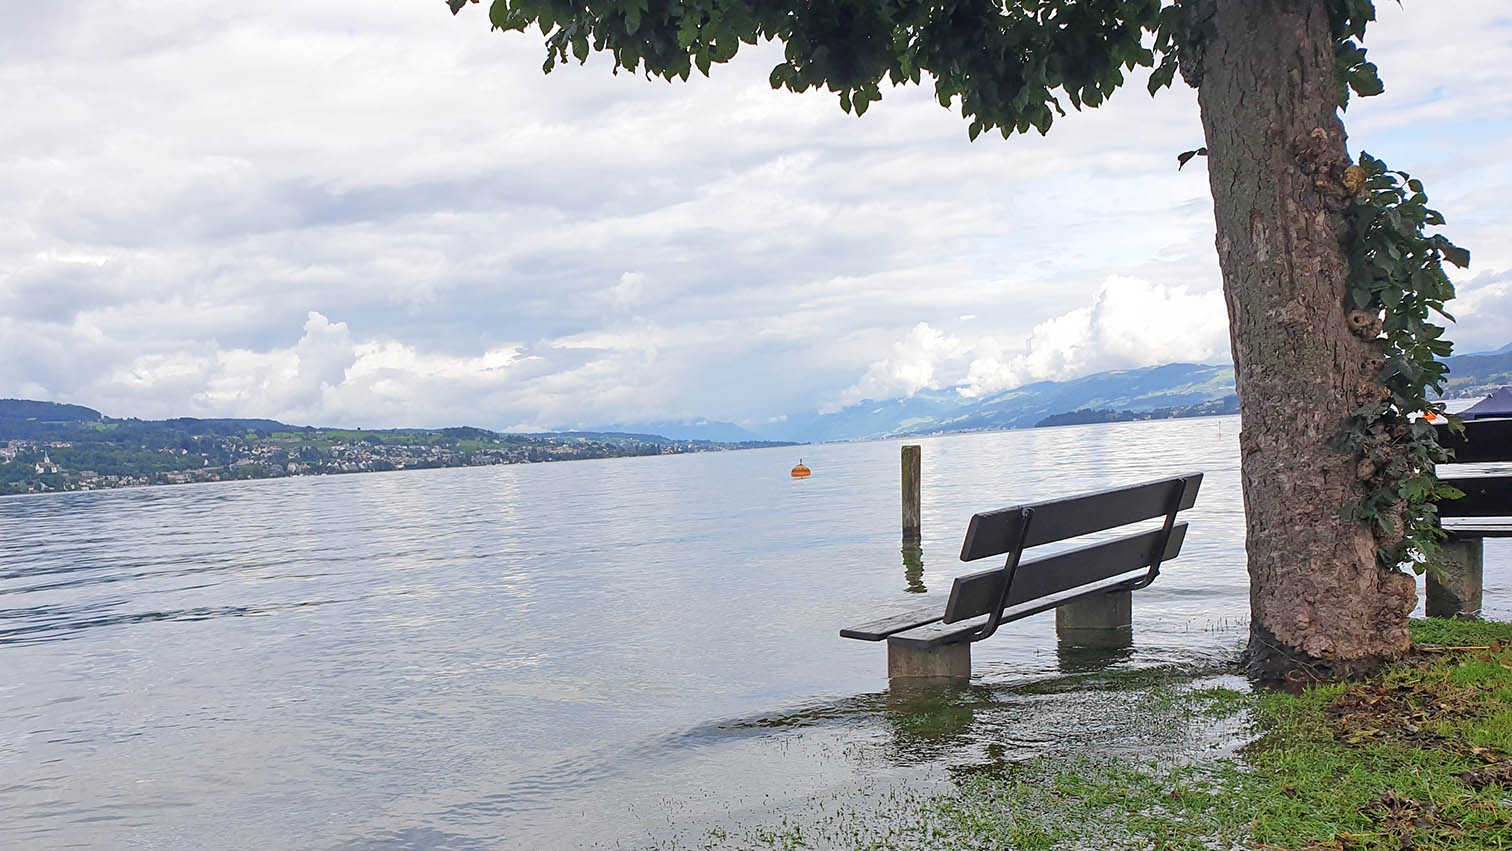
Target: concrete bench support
x=1454, y=581
x=1104, y=621
x=945, y=663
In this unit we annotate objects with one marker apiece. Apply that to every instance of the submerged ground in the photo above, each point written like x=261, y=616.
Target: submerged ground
x=1418, y=757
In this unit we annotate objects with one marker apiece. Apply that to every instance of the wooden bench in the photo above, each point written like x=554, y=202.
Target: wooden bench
x=1454, y=581
x=936, y=643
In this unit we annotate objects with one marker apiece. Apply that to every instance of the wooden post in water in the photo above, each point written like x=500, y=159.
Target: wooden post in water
x=911, y=535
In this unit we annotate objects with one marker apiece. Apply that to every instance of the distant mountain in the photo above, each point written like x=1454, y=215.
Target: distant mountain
x=1177, y=389
x=920, y=413
x=942, y=411
x=698, y=429
x=1501, y=351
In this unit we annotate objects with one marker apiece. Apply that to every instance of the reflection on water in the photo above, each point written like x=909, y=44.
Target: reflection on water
x=1080, y=656
x=553, y=655
x=913, y=569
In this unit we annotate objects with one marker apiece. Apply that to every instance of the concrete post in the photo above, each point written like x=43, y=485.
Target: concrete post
x=1454, y=581
x=1104, y=621
x=911, y=502
x=947, y=663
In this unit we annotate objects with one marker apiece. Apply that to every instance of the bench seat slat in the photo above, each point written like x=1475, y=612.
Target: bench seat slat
x=939, y=632
x=883, y=627
x=1478, y=527
x=992, y=533
x=976, y=593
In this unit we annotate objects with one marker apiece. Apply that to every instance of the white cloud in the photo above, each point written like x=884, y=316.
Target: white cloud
x=911, y=366
x=1488, y=294
x=1130, y=323
x=188, y=186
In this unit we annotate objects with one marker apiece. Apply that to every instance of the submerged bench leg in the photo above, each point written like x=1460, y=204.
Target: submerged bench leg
x=1454, y=581
x=948, y=662
x=1103, y=621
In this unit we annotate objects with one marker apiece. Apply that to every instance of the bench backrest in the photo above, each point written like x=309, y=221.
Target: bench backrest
x=1482, y=441
x=1485, y=495
x=993, y=533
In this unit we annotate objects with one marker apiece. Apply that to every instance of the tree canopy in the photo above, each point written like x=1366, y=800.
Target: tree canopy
x=1008, y=66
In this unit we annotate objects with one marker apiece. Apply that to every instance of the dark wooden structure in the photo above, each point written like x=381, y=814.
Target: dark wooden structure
x=912, y=504
x=935, y=643
x=1485, y=511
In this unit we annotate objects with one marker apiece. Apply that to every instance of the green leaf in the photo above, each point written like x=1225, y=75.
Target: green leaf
x=687, y=31
x=1163, y=76
x=504, y=18
x=1454, y=254
x=1365, y=81
x=725, y=48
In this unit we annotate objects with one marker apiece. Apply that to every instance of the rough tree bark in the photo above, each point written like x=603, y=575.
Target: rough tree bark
x=1276, y=159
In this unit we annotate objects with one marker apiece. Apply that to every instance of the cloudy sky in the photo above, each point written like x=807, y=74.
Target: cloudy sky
x=376, y=214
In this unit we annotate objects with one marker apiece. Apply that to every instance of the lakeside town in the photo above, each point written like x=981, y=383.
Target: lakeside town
x=51, y=469
x=47, y=448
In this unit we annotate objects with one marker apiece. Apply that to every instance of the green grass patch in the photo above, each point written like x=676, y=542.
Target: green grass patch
x=1441, y=632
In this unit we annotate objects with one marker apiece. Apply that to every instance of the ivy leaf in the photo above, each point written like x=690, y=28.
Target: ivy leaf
x=1454, y=254
x=1365, y=80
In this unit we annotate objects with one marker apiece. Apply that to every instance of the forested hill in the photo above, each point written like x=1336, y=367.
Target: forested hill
x=47, y=447
x=1479, y=374
x=48, y=412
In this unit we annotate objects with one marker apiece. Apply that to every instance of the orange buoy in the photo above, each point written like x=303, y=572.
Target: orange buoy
x=800, y=471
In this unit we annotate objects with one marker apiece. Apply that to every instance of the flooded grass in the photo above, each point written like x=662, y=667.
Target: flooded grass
x=1420, y=757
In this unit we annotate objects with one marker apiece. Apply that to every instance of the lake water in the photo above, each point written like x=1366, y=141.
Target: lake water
x=589, y=654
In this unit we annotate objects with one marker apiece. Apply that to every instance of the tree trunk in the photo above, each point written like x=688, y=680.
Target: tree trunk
x=1320, y=605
